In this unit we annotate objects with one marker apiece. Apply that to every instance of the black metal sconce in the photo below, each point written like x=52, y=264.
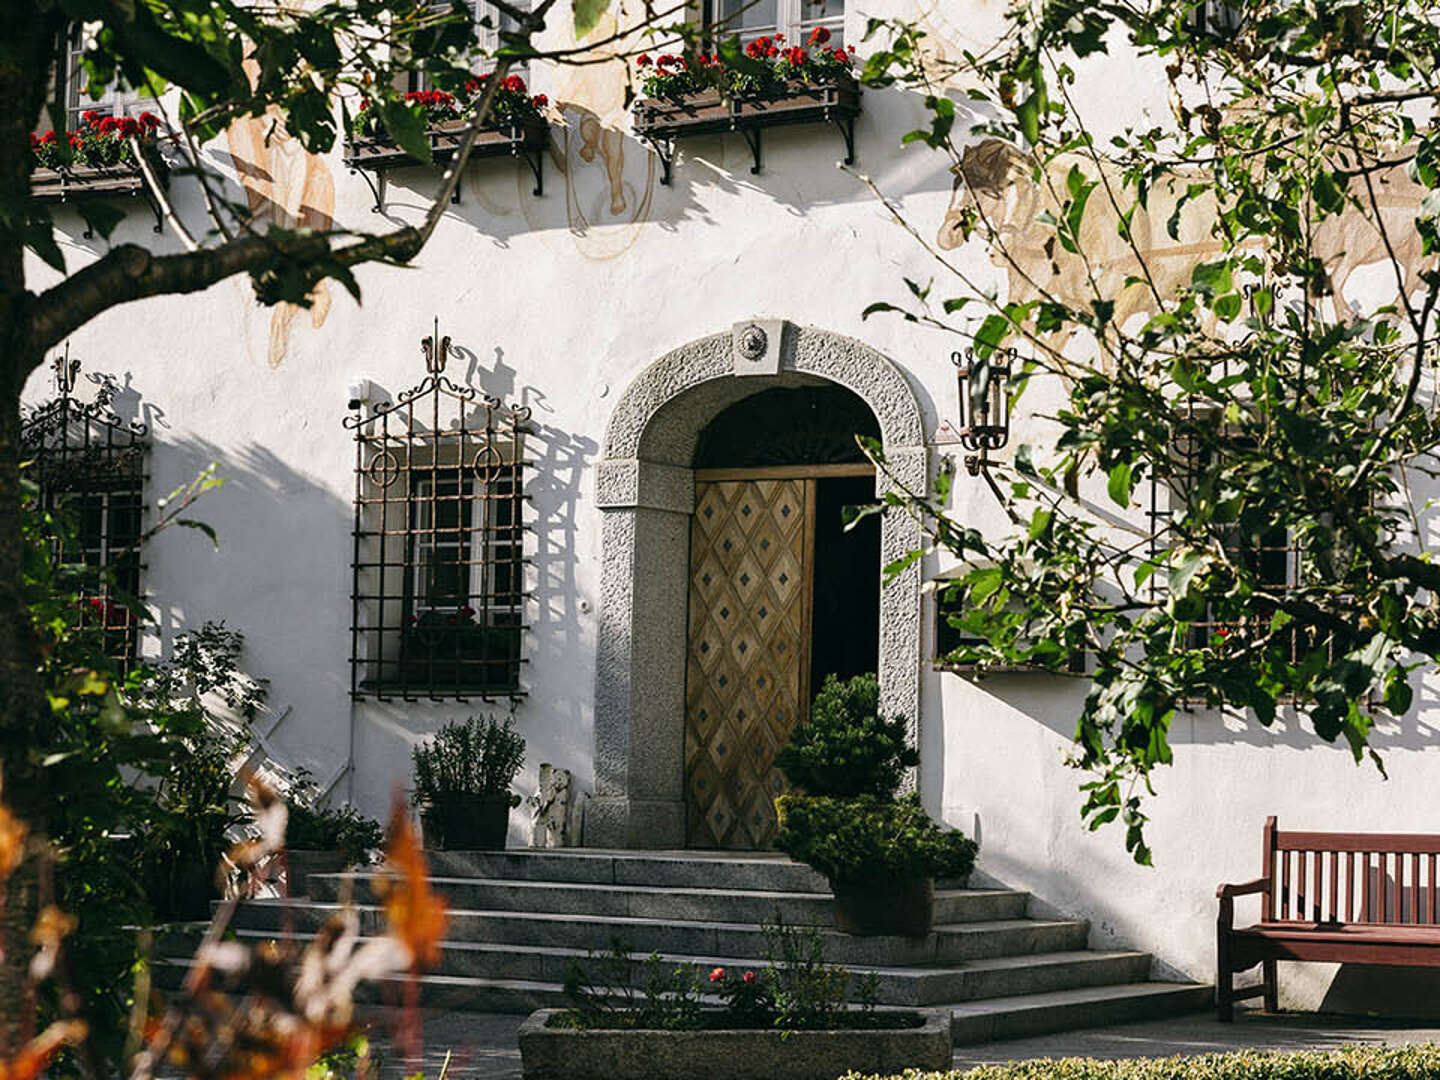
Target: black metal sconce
x=984, y=404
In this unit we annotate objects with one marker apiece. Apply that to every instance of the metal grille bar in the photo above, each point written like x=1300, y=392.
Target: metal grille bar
x=440, y=571
x=89, y=467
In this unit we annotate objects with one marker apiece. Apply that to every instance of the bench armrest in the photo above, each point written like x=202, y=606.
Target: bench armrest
x=1259, y=885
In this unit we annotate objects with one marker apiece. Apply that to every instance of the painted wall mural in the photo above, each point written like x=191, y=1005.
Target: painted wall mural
x=288, y=187
x=996, y=179
x=609, y=177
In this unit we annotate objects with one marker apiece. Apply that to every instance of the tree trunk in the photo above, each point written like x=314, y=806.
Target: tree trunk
x=27, y=34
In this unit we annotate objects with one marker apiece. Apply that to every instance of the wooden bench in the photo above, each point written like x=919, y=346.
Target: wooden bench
x=1363, y=898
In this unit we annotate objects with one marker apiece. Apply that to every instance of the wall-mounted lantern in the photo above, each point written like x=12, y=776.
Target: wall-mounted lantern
x=984, y=404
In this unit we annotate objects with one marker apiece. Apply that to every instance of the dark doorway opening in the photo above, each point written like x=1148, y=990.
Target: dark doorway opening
x=845, y=638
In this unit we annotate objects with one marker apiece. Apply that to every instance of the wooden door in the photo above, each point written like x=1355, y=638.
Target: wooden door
x=751, y=550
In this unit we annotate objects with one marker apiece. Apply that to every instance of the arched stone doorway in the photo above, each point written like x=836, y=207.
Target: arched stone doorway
x=646, y=491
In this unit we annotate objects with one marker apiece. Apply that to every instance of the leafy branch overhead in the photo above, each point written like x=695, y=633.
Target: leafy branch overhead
x=1222, y=503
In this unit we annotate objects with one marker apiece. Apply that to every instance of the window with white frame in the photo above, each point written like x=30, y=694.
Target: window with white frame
x=490, y=38
x=115, y=101
x=793, y=20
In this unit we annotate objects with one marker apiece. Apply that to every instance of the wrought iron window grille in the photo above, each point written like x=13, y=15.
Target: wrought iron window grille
x=88, y=465
x=1277, y=558
x=438, y=604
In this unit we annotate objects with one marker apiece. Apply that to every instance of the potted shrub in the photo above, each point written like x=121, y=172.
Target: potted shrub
x=881, y=854
x=323, y=840
x=462, y=783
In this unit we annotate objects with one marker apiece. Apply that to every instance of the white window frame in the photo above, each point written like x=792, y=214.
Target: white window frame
x=114, y=102
x=488, y=38
x=790, y=22
x=477, y=545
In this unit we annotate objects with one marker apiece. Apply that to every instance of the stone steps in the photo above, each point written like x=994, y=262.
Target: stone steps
x=944, y=944
x=520, y=919
x=898, y=986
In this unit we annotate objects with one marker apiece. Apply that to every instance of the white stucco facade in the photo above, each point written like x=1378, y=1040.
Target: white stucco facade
x=559, y=303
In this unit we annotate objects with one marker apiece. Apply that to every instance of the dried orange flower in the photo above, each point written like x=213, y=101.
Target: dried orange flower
x=36, y=1055
x=416, y=913
x=12, y=842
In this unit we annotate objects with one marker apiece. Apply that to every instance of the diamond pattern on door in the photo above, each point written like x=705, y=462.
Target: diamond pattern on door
x=748, y=654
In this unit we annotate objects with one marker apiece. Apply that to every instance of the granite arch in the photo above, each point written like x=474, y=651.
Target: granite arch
x=646, y=493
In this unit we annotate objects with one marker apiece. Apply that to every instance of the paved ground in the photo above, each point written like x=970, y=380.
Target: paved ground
x=484, y=1046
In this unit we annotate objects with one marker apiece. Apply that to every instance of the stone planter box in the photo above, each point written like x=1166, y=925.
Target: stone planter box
x=566, y=1054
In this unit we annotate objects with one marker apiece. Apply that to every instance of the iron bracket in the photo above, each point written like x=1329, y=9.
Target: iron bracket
x=665, y=150
x=376, y=190
x=536, y=160
x=846, y=124
x=751, y=135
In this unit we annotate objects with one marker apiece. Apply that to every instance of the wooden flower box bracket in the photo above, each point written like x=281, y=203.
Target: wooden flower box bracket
x=74, y=183
x=523, y=139
x=661, y=122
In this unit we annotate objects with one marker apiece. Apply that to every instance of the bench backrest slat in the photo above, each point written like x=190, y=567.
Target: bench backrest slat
x=1391, y=887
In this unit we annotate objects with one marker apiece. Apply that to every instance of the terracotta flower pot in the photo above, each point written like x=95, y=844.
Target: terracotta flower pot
x=903, y=908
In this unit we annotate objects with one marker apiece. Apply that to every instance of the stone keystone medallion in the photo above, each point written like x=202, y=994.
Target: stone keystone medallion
x=755, y=346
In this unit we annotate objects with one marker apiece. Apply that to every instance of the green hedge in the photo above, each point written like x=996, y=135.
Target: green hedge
x=1351, y=1063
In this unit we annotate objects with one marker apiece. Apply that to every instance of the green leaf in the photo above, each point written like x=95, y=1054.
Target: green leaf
x=1119, y=486
x=208, y=530
x=1040, y=522
x=1226, y=307
x=587, y=14
x=1181, y=574
x=1028, y=114
x=983, y=583
x=407, y=127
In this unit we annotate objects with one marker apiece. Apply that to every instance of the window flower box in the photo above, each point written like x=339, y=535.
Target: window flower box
x=517, y=128
x=97, y=161
x=689, y=96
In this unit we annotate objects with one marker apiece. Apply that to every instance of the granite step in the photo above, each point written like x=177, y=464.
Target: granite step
x=945, y=944
x=1083, y=1007
x=763, y=872
x=690, y=904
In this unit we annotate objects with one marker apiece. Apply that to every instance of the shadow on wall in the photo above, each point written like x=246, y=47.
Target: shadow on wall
x=560, y=672
x=280, y=575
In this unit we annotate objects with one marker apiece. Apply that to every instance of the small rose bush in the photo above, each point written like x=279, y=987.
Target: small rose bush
x=815, y=63
x=746, y=995
x=513, y=103
x=98, y=141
